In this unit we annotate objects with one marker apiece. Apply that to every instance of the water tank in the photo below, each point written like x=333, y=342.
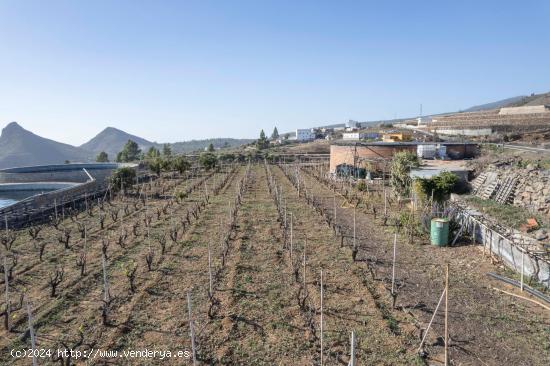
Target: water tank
x=426, y=151
x=439, y=232
x=441, y=151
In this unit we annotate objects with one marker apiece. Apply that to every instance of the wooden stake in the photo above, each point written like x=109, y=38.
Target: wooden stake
x=211, y=293
x=385, y=203
x=105, y=280
x=321, y=320
x=285, y=213
x=7, y=293
x=352, y=351
x=31, y=331
x=335, y=209
x=191, y=329
x=304, y=266
x=447, y=315
x=354, y=236
x=291, y=244
x=431, y=320
x=393, y=265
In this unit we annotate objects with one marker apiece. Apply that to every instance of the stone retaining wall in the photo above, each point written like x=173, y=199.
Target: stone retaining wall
x=508, y=245
x=532, y=189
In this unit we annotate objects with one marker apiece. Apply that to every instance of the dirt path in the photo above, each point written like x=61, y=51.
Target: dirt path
x=259, y=322
x=350, y=302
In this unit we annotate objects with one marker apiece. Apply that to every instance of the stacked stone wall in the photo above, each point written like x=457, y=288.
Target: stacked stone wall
x=532, y=190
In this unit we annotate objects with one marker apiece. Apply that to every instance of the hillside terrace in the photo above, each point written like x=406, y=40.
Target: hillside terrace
x=492, y=119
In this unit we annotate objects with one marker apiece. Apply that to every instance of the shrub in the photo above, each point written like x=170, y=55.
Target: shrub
x=399, y=169
x=361, y=186
x=208, y=160
x=181, y=164
x=441, y=186
x=124, y=177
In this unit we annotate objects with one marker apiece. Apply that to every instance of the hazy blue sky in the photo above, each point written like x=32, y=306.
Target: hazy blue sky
x=177, y=70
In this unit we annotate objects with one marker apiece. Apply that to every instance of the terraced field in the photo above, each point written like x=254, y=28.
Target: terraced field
x=229, y=270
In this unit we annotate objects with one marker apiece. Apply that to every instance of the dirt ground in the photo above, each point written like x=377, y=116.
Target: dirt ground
x=314, y=147
x=265, y=304
x=486, y=327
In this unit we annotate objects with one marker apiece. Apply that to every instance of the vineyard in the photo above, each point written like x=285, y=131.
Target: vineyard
x=255, y=264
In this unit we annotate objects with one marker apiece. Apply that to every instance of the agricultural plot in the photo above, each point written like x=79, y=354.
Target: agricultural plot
x=485, y=327
x=252, y=264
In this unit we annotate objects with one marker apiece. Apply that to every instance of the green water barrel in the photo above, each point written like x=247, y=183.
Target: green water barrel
x=440, y=232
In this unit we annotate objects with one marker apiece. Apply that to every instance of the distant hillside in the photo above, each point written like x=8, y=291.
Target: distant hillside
x=533, y=99
x=19, y=147
x=197, y=145
x=519, y=101
x=494, y=105
x=111, y=140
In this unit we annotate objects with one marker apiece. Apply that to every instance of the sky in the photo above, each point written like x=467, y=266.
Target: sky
x=178, y=70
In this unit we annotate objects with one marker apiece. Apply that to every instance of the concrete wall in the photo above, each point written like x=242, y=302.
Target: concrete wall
x=346, y=154
x=464, y=131
x=524, y=110
x=509, y=247
x=37, y=186
x=59, y=173
x=17, y=213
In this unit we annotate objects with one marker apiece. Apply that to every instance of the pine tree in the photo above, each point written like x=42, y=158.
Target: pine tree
x=262, y=142
x=166, y=150
x=130, y=152
x=275, y=134
x=102, y=157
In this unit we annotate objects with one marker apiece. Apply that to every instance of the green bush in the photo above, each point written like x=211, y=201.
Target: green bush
x=441, y=186
x=122, y=177
x=181, y=164
x=208, y=160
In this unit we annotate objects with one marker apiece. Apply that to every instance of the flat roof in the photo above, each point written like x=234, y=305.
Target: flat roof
x=398, y=143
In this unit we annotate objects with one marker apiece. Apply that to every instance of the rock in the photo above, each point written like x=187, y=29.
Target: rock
x=540, y=234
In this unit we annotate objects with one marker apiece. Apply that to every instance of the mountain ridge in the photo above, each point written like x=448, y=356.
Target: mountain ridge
x=20, y=147
x=112, y=140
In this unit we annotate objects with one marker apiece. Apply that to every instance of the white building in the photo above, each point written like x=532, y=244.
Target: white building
x=423, y=121
x=353, y=136
x=304, y=135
